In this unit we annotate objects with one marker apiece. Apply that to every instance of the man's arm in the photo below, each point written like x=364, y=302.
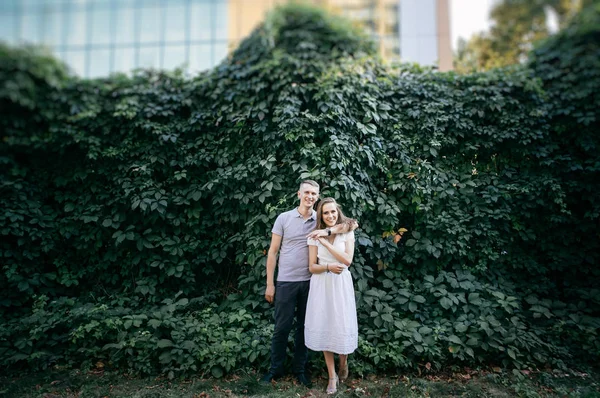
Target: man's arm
x=350, y=225
x=271, y=263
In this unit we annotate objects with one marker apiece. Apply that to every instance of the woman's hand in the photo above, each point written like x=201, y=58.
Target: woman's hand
x=345, y=257
x=336, y=268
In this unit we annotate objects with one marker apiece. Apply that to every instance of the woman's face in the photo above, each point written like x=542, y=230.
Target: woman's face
x=330, y=214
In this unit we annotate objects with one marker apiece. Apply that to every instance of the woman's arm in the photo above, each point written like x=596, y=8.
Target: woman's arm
x=346, y=256
x=313, y=267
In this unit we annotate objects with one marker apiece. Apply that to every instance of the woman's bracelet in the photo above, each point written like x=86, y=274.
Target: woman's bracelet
x=327, y=267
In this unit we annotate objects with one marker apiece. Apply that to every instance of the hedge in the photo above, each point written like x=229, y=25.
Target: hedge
x=137, y=209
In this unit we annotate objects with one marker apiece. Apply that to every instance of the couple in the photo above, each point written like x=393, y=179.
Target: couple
x=313, y=285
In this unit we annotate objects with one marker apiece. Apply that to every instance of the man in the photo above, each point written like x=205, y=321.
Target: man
x=293, y=280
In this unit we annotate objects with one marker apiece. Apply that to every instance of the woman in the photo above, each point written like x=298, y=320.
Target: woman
x=330, y=324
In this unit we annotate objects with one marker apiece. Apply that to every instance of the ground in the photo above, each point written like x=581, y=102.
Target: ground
x=495, y=383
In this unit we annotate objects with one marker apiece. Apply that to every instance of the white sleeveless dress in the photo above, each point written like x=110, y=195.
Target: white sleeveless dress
x=331, y=323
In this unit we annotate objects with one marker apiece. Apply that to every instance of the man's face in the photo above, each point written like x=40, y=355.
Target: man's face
x=308, y=195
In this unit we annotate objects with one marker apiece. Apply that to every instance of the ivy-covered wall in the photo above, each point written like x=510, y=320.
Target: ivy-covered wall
x=136, y=211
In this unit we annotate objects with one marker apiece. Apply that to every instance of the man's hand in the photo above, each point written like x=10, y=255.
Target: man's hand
x=317, y=233
x=270, y=294
x=350, y=225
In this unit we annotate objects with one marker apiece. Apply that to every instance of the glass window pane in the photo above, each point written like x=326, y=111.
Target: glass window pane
x=8, y=24
x=8, y=5
x=99, y=63
x=51, y=7
x=200, y=57
x=103, y=3
x=220, y=18
x=30, y=5
x=174, y=57
x=124, y=59
x=201, y=21
x=175, y=24
x=220, y=53
x=30, y=28
x=149, y=57
x=76, y=61
x=125, y=3
x=61, y=55
x=53, y=28
x=124, y=22
x=149, y=3
x=149, y=24
x=101, y=26
x=76, y=32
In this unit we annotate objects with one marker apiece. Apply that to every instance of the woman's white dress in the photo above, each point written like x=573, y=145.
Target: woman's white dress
x=330, y=323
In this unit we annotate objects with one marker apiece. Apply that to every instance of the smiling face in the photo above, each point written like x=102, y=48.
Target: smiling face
x=308, y=195
x=330, y=214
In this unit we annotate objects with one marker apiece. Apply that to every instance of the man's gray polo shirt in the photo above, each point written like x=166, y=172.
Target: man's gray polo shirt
x=293, y=253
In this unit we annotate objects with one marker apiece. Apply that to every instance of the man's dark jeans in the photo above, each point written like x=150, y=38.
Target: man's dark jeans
x=290, y=302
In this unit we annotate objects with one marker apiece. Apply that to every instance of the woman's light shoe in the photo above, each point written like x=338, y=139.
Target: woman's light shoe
x=333, y=390
x=344, y=373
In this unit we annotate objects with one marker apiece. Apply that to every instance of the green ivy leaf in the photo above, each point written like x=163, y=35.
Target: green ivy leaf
x=164, y=343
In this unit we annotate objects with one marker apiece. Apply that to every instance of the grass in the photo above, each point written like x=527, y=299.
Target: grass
x=467, y=383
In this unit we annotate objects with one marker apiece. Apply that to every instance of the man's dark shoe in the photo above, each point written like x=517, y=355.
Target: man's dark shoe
x=304, y=380
x=268, y=378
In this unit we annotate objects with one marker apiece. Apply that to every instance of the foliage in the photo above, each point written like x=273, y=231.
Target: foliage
x=516, y=26
x=137, y=209
x=178, y=336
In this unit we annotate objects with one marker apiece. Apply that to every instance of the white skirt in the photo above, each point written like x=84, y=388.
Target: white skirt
x=331, y=323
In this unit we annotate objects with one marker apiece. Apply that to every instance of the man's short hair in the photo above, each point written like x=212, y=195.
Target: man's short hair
x=309, y=182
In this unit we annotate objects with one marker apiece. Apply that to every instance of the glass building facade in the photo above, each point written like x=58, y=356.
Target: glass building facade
x=404, y=30
x=381, y=18
x=99, y=37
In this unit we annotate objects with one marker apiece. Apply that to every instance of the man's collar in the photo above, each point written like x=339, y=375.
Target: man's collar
x=312, y=216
